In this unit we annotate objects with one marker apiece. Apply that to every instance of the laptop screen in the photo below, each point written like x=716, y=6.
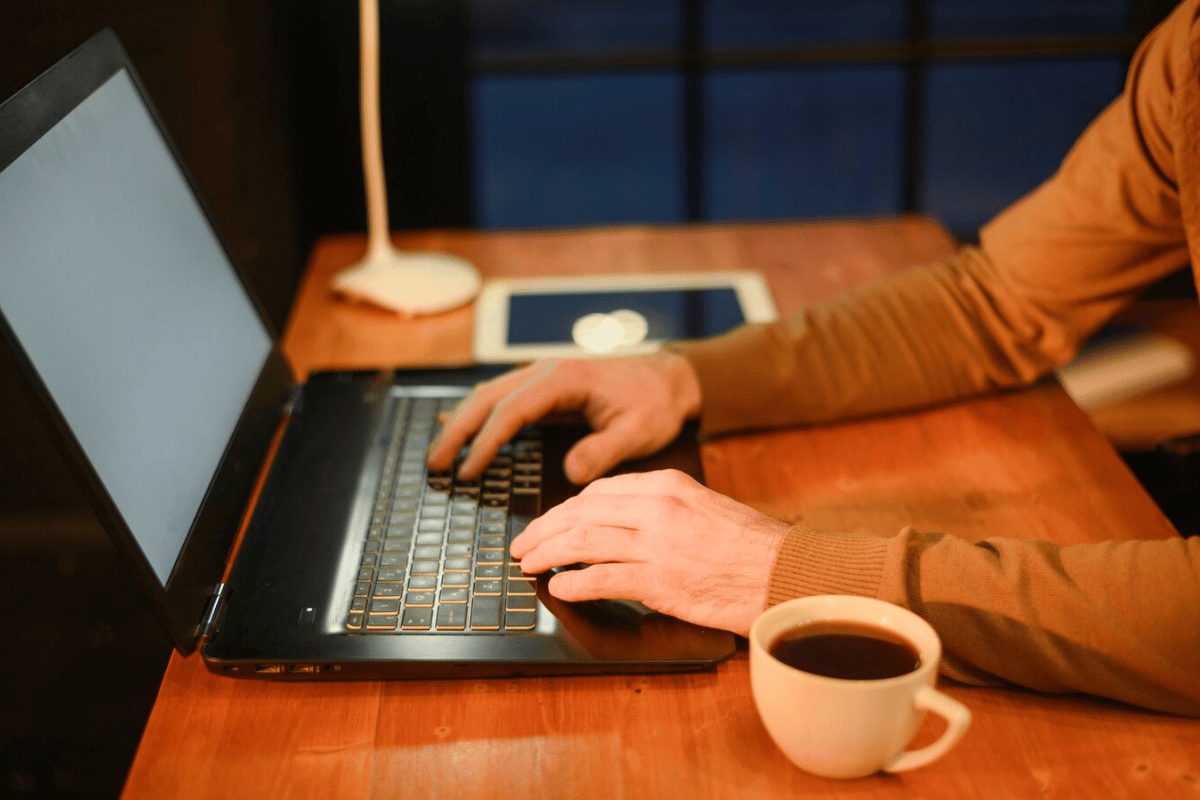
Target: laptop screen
x=128, y=308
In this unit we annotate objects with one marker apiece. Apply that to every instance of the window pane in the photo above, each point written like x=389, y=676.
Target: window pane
x=996, y=130
x=984, y=18
x=746, y=23
x=579, y=149
x=810, y=142
x=556, y=26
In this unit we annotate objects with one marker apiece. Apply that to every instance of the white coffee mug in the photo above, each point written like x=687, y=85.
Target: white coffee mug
x=847, y=728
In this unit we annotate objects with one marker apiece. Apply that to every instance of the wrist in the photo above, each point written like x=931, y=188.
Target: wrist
x=683, y=383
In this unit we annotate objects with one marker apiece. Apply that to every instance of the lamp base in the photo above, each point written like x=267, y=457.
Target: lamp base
x=410, y=283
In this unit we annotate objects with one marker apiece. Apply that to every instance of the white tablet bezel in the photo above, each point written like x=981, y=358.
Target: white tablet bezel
x=491, y=307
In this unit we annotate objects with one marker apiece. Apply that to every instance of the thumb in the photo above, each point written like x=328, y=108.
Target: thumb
x=597, y=453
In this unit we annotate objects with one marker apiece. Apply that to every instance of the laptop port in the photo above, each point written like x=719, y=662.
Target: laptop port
x=304, y=668
x=268, y=668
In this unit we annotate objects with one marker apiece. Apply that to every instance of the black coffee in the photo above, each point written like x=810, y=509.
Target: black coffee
x=847, y=650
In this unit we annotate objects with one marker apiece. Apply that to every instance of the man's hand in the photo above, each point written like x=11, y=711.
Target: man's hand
x=635, y=407
x=662, y=539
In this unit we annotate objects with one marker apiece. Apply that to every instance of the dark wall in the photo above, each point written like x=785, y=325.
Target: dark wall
x=213, y=69
x=424, y=47
x=81, y=651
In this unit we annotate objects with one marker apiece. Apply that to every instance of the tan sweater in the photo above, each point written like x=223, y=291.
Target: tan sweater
x=1121, y=619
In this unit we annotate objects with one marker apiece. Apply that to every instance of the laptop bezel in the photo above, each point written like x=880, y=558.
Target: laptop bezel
x=180, y=603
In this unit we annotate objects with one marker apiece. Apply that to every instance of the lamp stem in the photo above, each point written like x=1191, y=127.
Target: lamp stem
x=378, y=234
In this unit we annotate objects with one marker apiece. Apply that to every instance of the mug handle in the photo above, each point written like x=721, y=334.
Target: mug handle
x=957, y=717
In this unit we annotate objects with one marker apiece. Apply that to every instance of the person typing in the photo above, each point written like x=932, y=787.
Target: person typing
x=1118, y=619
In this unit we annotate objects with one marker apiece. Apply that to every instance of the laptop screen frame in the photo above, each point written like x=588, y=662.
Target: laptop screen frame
x=182, y=600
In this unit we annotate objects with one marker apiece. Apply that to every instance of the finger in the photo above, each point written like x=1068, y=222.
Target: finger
x=598, y=452
x=603, y=581
x=544, y=390
x=473, y=414
x=469, y=416
x=587, y=544
x=633, y=512
x=665, y=482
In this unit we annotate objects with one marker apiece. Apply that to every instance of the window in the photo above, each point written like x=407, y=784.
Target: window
x=627, y=111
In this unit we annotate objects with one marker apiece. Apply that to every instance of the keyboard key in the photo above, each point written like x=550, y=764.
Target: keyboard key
x=491, y=542
x=452, y=618
x=365, y=573
x=354, y=621
x=393, y=559
x=358, y=604
x=520, y=602
x=426, y=552
x=459, y=549
x=422, y=582
x=461, y=536
x=521, y=587
x=456, y=579
x=429, y=539
x=417, y=619
x=362, y=588
x=491, y=557
x=391, y=574
x=456, y=595
x=389, y=589
x=487, y=587
x=385, y=606
x=520, y=620
x=457, y=564
x=381, y=622
x=415, y=599
x=485, y=613
x=424, y=568
x=489, y=571
x=369, y=559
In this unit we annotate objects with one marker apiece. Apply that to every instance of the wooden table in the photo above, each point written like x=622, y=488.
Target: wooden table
x=1026, y=464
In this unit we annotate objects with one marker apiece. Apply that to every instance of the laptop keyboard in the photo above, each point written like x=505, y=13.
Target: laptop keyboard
x=436, y=554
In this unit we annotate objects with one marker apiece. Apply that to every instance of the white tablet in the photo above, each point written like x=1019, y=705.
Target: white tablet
x=522, y=319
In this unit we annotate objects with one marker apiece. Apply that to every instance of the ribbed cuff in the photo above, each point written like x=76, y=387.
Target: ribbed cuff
x=818, y=562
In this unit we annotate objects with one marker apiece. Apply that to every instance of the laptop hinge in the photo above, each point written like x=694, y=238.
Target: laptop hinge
x=290, y=404
x=212, y=614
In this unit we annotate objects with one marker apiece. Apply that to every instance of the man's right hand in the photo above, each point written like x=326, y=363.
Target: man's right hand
x=635, y=407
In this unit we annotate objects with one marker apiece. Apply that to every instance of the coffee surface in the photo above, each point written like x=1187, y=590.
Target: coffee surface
x=846, y=650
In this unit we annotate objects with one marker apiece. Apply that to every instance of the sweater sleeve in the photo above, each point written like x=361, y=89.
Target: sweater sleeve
x=1049, y=271
x=1119, y=619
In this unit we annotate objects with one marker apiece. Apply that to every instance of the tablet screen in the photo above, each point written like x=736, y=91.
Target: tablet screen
x=549, y=318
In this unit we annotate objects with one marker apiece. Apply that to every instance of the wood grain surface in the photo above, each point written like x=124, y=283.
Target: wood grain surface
x=1027, y=463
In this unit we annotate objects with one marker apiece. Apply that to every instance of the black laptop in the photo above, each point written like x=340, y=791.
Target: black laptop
x=167, y=390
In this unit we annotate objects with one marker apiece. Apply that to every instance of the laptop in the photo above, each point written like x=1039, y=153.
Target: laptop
x=169, y=395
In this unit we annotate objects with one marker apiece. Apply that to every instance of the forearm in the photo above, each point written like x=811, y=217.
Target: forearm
x=1050, y=270
x=1118, y=620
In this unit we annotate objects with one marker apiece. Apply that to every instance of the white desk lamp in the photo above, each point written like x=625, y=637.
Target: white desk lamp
x=408, y=283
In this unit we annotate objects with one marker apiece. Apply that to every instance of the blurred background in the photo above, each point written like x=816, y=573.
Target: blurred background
x=508, y=114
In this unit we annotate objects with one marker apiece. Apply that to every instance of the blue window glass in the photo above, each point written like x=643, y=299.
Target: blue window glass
x=556, y=26
x=995, y=130
x=804, y=142
x=747, y=23
x=989, y=18
x=578, y=149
